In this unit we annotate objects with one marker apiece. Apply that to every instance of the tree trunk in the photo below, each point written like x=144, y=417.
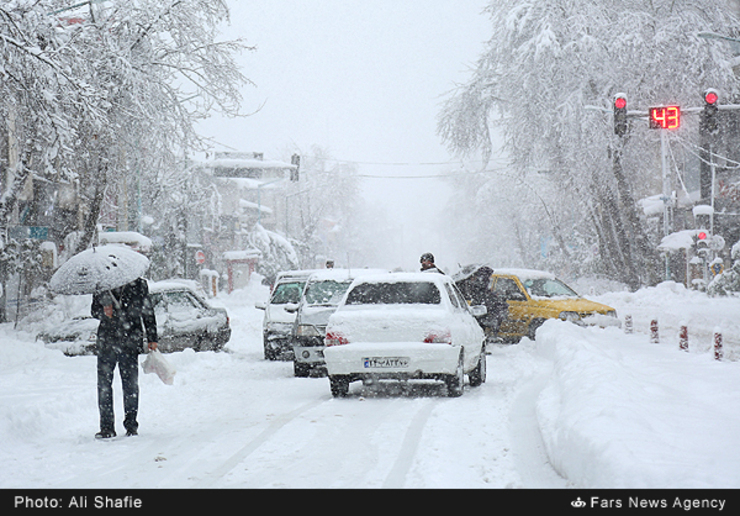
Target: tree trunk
x=642, y=253
x=93, y=214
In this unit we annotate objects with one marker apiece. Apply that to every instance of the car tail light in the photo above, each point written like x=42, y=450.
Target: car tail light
x=335, y=339
x=438, y=337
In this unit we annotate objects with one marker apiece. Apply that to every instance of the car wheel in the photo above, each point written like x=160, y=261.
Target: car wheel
x=478, y=375
x=339, y=386
x=204, y=344
x=532, y=331
x=456, y=382
x=270, y=354
x=300, y=370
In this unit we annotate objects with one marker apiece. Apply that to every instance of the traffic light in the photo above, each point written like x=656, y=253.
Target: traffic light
x=701, y=243
x=709, y=115
x=294, y=173
x=620, y=114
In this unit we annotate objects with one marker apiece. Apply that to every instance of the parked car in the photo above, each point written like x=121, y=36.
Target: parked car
x=404, y=326
x=535, y=296
x=280, y=312
x=187, y=320
x=184, y=320
x=323, y=291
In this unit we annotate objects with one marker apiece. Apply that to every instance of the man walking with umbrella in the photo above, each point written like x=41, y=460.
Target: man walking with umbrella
x=112, y=273
x=121, y=312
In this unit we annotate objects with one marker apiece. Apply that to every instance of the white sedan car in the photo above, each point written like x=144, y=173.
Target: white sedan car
x=404, y=326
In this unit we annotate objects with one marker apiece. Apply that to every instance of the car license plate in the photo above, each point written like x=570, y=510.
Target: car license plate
x=385, y=362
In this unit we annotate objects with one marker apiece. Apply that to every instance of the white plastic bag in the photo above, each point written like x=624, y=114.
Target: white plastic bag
x=155, y=363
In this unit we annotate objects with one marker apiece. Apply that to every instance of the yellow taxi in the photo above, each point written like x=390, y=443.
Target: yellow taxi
x=535, y=296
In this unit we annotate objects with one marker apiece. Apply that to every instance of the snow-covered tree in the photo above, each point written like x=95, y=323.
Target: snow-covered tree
x=322, y=206
x=546, y=64
x=278, y=254
x=97, y=91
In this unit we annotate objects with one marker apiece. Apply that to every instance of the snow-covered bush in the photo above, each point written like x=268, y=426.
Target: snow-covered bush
x=728, y=283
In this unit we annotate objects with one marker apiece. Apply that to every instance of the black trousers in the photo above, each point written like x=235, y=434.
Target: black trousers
x=128, y=366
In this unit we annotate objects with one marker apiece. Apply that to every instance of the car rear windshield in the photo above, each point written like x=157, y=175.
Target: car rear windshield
x=396, y=293
x=327, y=292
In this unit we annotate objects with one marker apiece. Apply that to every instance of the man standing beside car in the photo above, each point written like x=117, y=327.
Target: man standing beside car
x=427, y=263
x=478, y=289
x=124, y=314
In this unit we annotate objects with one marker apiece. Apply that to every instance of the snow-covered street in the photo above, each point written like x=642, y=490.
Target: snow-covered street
x=584, y=408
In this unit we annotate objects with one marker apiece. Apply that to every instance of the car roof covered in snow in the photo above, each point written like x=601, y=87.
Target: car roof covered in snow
x=343, y=274
x=294, y=275
x=175, y=284
x=523, y=274
x=397, y=277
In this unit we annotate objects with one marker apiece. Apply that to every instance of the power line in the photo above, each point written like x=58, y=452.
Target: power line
x=437, y=176
x=396, y=163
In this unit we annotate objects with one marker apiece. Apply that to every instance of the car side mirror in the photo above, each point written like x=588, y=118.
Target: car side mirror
x=260, y=305
x=478, y=310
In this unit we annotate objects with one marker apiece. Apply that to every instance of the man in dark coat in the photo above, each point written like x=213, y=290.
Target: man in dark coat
x=427, y=263
x=121, y=312
x=477, y=289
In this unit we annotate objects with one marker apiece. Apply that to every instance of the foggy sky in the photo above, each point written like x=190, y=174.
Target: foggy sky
x=365, y=81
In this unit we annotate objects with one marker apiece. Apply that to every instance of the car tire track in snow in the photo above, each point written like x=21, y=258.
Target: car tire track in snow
x=533, y=464
x=397, y=476
x=233, y=461
x=129, y=456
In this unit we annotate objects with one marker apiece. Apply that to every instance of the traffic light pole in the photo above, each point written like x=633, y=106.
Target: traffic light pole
x=666, y=197
x=668, y=118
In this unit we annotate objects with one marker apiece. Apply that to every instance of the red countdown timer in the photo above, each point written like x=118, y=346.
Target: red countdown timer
x=665, y=117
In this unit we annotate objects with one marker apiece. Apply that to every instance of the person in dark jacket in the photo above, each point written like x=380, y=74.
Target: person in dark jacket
x=477, y=290
x=427, y=263
x=125, y=314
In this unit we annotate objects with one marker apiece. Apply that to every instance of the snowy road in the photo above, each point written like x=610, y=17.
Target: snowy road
x=235, y=420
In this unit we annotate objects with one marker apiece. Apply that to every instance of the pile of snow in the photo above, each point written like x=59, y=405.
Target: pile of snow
x=621, y=412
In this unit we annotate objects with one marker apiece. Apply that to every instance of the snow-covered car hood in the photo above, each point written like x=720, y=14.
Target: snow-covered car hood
x=315, y=315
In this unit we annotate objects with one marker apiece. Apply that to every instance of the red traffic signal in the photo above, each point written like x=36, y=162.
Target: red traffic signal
x=702, y=235
x=620, y=114
x=711, y=97
x=709, y=123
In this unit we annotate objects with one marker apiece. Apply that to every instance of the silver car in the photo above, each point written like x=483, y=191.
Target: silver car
x=184, y=320
x=280, y=311
x=323, y=291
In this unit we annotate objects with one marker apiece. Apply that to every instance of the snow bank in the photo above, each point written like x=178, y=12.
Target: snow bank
x=621, y=412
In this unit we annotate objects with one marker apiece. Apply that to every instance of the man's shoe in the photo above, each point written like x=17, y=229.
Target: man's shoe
x=131, y=433
x=105, y=434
